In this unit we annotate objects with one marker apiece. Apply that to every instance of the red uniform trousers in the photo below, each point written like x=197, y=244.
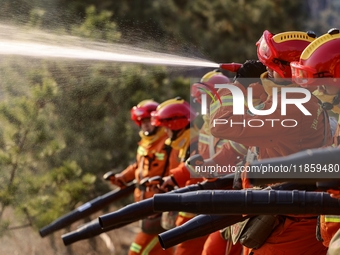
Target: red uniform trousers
x=293, y=236
x=190, y=247
x=145, y=244
x=216, y=245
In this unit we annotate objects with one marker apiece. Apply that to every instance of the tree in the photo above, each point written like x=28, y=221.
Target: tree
x=29, y=140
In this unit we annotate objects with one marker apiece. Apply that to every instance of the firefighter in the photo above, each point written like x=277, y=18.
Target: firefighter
x=209, y=147
x=152, y=159
x=328, y=89
x=177, y=116
x=207, y=144
x=319, y=65
x=290, y=234
x=230, y=154
x=217, y=151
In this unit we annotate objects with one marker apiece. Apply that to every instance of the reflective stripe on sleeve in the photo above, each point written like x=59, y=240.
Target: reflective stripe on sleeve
x=239, y=148
x=332, y=218
x=150, y=246
x=141, y=151
x=135, y=248
x=221, y=142
x=203, y=138
x=226, y=101
x=187, y=215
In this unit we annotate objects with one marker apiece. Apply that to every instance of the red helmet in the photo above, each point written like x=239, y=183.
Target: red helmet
x=320, y=59
x=207, y=84
x=174, y=114
x=277, y=51
x=143, y=110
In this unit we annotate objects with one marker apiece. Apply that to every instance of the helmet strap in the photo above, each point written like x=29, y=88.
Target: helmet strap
x=335, y=101
x=151, y=133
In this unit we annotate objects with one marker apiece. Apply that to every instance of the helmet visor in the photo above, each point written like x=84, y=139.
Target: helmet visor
x=199, y=88
x=196, y=91
x=267, y=54
x=137, y=114
x=304, y=75
x=265, y=50
x=174, y=123
x=155, y=120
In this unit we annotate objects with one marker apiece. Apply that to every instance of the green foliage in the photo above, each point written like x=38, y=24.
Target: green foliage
x=68, y=125
x=56, y=192
x=36, y=17
x=226, y=31
x=97, y=26
x=27, y=142
x=219, y=30
x=15, y=11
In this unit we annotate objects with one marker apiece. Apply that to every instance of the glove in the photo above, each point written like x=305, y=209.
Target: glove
x=118, y=180
x=334, y=193
x=191, y=163
x=226, y=233
x=252, y=70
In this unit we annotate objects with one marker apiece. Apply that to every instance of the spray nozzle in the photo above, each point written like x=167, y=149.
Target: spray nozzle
x=232, y=67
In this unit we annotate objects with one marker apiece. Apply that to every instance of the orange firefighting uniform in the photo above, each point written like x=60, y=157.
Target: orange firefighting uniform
x=223, y=152
x=208, y=145
x=295, y=235
x=154, y=158
x=330, y=224
x=231, y=153
x=187, y=144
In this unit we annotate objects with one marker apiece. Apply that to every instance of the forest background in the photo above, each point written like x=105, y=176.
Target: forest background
x=64, y=123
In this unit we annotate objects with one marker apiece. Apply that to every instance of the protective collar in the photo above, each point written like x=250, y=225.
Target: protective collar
x=182, y=142
x=148, y=140
x=269, y=84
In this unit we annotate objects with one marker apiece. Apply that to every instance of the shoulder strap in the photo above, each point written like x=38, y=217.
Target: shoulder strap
x=193, y=147
x=168, y=150
x=326, y=121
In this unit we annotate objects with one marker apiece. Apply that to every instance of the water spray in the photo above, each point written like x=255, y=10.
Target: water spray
x=14, y=41
x=51, y=51
x=32, y=43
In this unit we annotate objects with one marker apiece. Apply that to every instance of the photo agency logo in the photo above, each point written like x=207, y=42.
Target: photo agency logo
x=238, y=99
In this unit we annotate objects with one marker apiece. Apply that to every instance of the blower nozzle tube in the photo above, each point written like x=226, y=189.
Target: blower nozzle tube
x=87, y=209
x=253, y=202
x=88, y=230
x=144, y=208
x=316, y=161
x=132, y=212
x=199, y=226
